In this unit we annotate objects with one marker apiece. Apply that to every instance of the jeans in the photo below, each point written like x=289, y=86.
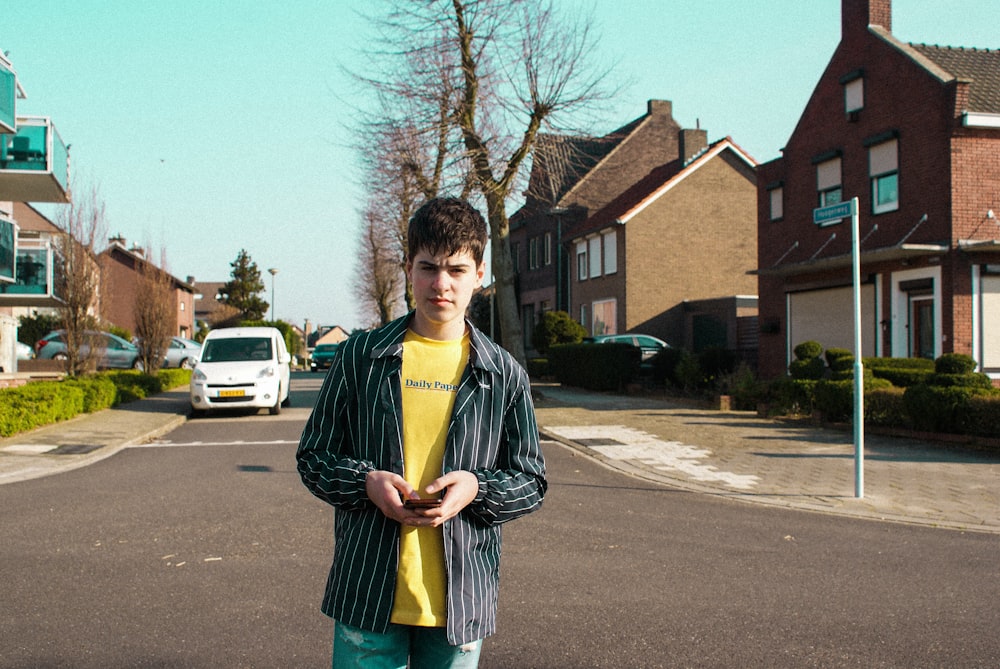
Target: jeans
x=422, y=647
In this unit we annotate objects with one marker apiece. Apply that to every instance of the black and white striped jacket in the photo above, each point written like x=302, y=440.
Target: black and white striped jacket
x=356, y=427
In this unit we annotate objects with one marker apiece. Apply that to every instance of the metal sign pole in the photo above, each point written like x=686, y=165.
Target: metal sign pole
x=859, y=368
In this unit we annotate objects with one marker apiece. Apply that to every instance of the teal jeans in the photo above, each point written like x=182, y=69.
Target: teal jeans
x=399, y=647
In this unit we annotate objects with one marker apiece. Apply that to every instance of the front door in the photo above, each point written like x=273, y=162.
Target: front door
x=922, y=327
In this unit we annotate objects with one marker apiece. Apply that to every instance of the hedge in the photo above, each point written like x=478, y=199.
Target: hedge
x=594, y=366
x=36, y=404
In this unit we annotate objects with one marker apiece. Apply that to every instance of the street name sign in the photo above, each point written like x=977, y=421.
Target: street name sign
x=833, y=213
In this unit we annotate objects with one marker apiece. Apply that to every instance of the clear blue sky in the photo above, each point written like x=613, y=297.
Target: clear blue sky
x=210, y=127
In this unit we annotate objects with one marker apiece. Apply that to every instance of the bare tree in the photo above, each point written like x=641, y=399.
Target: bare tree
x=79, y=283
x=379, y=281
x=155, y=315
x=507, y=68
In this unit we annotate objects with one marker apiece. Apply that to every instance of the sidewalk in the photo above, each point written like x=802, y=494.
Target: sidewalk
x=740, y=456
x=729, y=454
x=90, y=437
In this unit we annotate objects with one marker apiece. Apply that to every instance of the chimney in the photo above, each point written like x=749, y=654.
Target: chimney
x=857, y=15
x=657, y=107
x=691, y=141
x=138, y=250
x=118, y=239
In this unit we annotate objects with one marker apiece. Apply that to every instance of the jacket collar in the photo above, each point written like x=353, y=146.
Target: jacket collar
x=485, y=353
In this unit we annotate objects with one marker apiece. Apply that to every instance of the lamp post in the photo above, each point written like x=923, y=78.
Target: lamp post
x=273, y=271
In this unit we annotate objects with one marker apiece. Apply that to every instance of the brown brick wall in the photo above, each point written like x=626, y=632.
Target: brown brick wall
x=947, y=172
x=695, y=242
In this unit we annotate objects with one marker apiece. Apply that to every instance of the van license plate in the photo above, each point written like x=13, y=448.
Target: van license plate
x=232, y=393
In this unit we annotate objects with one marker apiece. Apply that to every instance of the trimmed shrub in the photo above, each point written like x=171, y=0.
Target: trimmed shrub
x=663, y=366
x=811, y=369
x=980, y=416
x=36, y=404
x=595, y=366
x=936, y=408
x=884, y=406
x=954, y=363
x=808, y=350
x=556, y=327
x=840, y=360
x=788, y=396
x=538, y=367
x=99, y=392
x=835, y=399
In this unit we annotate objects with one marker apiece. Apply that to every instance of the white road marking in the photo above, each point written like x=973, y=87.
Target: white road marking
x=649, y=450
x=237, y=442
x=29, y=449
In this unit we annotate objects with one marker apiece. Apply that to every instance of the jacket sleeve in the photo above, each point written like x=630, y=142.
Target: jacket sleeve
x=517, y=485
x=325, y=453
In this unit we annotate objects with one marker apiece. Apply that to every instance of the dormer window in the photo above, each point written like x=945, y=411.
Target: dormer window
x=854, y=91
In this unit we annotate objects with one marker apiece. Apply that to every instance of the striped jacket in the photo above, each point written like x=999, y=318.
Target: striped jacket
x=356, y=427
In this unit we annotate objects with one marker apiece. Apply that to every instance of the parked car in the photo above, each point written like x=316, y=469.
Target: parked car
x=182, y=353
x=113, y=351
x=241, y=367
x=24, y=352
x=649, y=345
x=322, y=356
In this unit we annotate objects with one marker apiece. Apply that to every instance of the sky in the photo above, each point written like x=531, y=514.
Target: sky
x=208, y=128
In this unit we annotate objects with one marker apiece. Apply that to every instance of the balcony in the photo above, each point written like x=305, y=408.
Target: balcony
x=37, y=274
x=34, y=163
x=8, y=96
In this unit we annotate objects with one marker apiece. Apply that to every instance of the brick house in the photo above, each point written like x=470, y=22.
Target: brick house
x=671, y=256
x=121, y=267
x=912, y=131
x=572, y=177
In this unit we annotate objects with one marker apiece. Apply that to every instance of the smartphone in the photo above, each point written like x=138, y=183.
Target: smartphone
x=422, y=503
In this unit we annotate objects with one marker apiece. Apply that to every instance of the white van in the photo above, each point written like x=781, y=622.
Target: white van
x=241, y=367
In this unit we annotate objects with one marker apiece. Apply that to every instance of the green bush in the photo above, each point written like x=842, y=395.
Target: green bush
x=99, y=391
x=663, y=366
x=811, y=369
x=954, y=363
x=36, y=404
x=743, y=387
x=936, y=408
x=835, y=399
x=969, y=380
x=884, y=406
x=538, y=367
x=839, y=359
x=595, y=366
x=716, y=362
x=556, y=327
x=787, y=396
x=808, y=350
x=980, y=416
x=901, y=376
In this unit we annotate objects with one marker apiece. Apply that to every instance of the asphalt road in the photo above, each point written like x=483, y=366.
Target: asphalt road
x=204, y=550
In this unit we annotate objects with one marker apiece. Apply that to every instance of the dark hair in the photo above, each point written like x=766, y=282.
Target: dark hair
x=446, y=226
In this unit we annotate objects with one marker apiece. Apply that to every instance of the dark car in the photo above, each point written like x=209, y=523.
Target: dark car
x=113, y=352
x=322, y=356
x=649, y=345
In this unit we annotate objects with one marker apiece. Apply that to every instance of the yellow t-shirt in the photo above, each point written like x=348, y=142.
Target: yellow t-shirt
x=431, y=373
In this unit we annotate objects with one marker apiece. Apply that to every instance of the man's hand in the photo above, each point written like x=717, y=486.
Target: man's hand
x=387, y=491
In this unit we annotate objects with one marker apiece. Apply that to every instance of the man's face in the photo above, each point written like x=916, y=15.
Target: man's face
x=442, y=289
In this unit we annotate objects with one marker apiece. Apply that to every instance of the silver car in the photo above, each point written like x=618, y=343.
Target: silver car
x=182, y=353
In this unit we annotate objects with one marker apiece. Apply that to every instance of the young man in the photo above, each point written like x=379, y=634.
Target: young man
x=426, y=408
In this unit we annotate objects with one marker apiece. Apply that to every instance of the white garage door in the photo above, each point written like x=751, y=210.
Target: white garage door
x=827, y=316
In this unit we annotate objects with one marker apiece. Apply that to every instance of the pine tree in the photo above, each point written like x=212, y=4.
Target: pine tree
x=243, y=290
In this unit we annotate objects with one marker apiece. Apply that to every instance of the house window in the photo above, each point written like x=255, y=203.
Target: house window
x=854, y=95
x=828, y=182
x=610, y=252
x=515, y=250
x=777, y=199
x=883, y=169
x=595, y=256
x=533, y=253
x=605, y=318
x=548, y=249
x=581, y=262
